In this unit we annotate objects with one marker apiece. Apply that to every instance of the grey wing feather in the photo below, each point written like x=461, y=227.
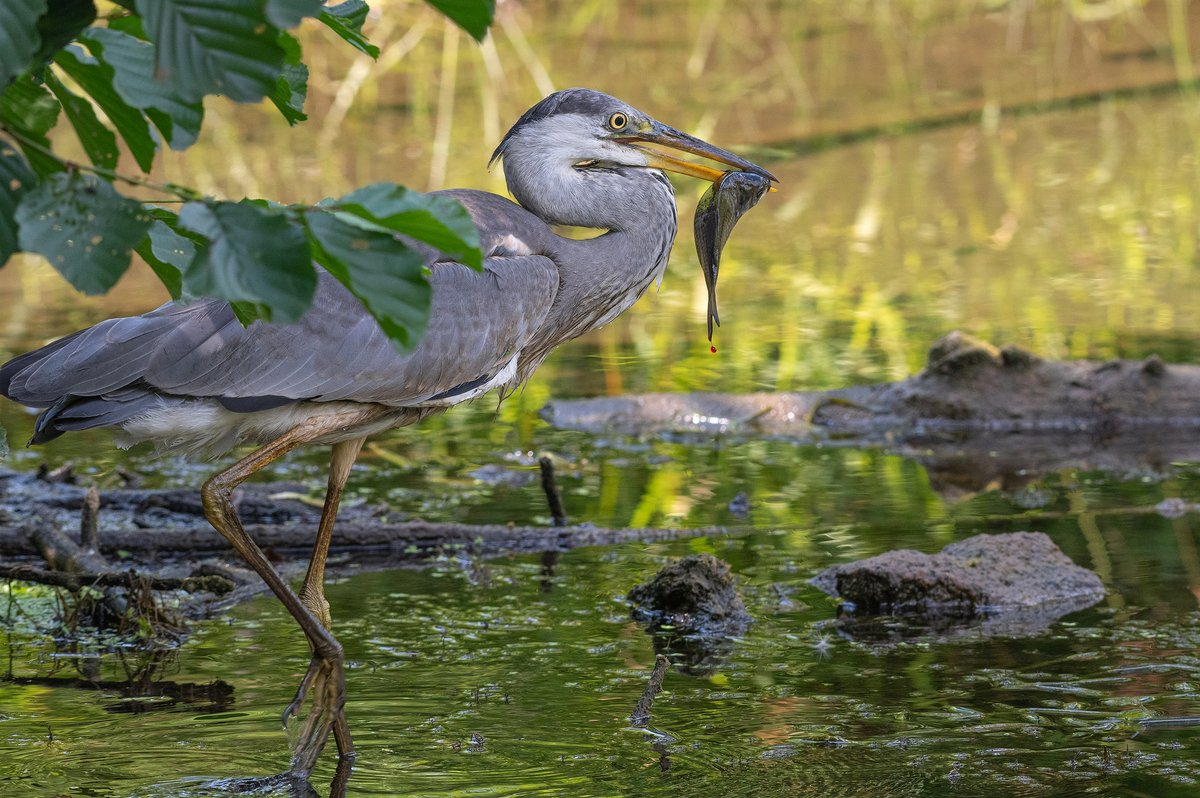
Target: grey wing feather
x=478, y=321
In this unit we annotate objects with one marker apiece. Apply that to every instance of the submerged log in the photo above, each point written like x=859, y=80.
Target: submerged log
x=968, y=385
x=977, y=417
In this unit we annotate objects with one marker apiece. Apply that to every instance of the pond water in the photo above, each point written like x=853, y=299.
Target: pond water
x=1026, y=173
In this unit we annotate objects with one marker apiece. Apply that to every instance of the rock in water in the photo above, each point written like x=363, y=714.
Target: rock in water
x=716, y=214
x=692, y=608
x=982, y=576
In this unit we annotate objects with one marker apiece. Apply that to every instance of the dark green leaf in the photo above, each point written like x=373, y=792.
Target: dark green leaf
x=352, y=13
x=96, y=78
x=288, y=13
x=16, y=179
x=63, y=21
x=290, y=46
x=473, y=16
x=130, y=23
x=83, y=227
x=255, y=255
x=380, y=270
x=438, y=221
x=290, y=93
x=29, y=110
x=132, y=62
x=18, y=36
x=346, y=21
x=213, y=47
x=98, y=141
x=27, y=105
x=168, y=254
x=248, y=312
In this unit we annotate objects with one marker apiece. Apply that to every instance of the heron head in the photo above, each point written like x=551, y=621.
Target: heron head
x=578, y=140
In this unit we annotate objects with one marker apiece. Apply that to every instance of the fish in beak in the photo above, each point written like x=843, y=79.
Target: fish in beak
x=733, y=192
x=718, y=211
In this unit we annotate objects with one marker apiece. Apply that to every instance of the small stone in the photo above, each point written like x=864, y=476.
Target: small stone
x=739, y=505
x=957, y=351
x=1017, y=358
x=1153, y=366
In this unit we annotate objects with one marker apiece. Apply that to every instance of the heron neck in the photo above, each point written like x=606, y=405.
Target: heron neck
x=602, y=277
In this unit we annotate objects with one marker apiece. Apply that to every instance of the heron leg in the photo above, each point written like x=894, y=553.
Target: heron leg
x=312, y=594
x=326, y=668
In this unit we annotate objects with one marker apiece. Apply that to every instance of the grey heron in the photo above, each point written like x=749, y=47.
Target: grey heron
x=189, y=376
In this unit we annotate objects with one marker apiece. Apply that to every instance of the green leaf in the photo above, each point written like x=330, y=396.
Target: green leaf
x=132, y=62
x=473, y=16
x=96, y=78
x=352, y=13
x=130, y=23
x=98, y=141
x=288, y=13
x=255, y=255
x=28, y=109
x=213, y=47
x=83, y=227
x=16, y=178
x=168, y=253
x=63, y=21
x=380, y=270
x=439, y=221
x=248, y=312
x=18, y=36
x=346, y=20
x=3, y=444
x=291, y=90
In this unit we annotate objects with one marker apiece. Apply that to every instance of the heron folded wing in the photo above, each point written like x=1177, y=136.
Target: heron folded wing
x=478, y=322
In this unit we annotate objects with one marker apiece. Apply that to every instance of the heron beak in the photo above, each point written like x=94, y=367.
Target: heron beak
x=664, y=136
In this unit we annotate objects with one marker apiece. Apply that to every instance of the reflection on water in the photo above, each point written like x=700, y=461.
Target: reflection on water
x=1070, y=229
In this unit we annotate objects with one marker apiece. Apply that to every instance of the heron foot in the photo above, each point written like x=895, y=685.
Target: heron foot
x=293, y=708
x=325, y=682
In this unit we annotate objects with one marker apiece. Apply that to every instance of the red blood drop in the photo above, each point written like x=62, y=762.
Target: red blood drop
x=712, y=349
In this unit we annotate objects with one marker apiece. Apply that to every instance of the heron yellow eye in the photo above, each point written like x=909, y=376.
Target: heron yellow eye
x=618, y=121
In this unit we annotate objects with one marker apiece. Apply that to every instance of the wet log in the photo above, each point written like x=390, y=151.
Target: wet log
x=63, y=554
x=206, y=583
x=411, y=540
x=967, y=386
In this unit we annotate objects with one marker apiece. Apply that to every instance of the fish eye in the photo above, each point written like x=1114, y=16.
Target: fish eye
x=618, y=121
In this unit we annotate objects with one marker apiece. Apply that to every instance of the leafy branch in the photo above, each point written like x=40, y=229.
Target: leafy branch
x=146, y=69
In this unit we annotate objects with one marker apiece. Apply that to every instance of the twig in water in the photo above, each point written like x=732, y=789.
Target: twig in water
x=89, y=521
x=553, y=497
x=641, y=713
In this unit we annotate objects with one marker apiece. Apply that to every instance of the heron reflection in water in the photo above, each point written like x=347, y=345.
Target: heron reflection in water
x=189, y=377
